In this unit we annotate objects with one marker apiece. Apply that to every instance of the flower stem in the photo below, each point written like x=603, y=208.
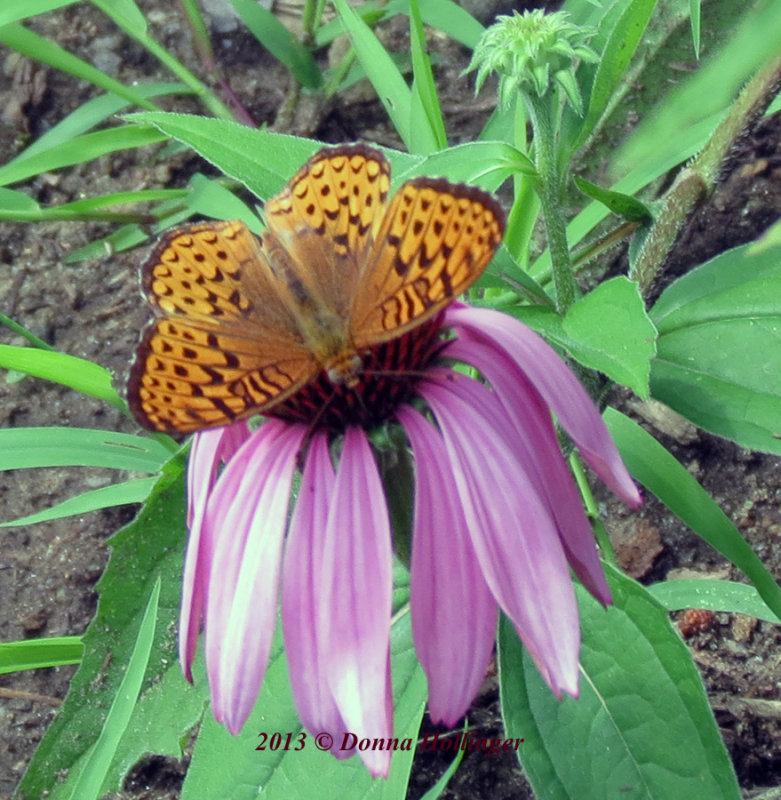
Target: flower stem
x=600, y=532
x=550, y=191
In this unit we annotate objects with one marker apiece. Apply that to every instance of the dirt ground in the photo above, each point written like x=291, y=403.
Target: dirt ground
x=92, y=310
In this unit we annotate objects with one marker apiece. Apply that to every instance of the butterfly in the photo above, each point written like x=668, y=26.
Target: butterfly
x=244, y=322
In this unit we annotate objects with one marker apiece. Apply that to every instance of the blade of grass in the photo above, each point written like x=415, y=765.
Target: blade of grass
x=694, y=11
x=119, y=494
x=622, y=41
x=80, y=149
x=426, y=123
x=92, y=113
x=22, y=448
x=16, y=209
x=24, y=333
x=125, y=238
x=15, y=10
x=77, y=373
x=127, y=15
x=280, y=42
x=452, y=19
x=387, y=81
x=99, y=760
x=39, y=653
x=38, y=48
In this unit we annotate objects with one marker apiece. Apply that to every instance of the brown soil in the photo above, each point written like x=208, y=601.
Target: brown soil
x=91, y=309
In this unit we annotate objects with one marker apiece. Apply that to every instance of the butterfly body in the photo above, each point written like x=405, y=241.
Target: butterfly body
x=243, y=322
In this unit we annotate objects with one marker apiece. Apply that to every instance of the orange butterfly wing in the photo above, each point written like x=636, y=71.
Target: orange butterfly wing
x=434, y=242
x=243, y=323
x=224, y=345
x=325, y=219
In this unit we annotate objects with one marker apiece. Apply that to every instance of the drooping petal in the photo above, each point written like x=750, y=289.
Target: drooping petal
x=560, y=389
x=537, y=446
x=453, y=610
x=513, y=534
x=302, y=592
x=208, y=449
x=246, y=518
x=355, y=611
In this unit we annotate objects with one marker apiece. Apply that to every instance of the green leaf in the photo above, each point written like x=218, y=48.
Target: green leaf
x=770, y=238
x=279, y=770
x=664, y=476
x=262, y=160
x=607, y=330
x=168, y=707
x=77, y=373
x=80, y=149
x=736, y=598
x=22, y=448
x=280, y=42
x=642, y=726
x=624, y=205
x=720, y=346
x=39, y=653
x=120, y=494
x=98, y=761
x=486, y=164
x=385, y=77
x=212, y=199
x=612, y=333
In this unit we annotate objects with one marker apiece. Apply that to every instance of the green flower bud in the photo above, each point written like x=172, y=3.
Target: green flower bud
x=530, y=51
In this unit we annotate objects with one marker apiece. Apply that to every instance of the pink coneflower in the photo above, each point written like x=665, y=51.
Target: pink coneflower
x=497, y=519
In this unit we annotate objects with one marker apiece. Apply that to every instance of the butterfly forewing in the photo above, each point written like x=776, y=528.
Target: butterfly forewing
x=435, y=241
x=326, y=218
x=224, y=346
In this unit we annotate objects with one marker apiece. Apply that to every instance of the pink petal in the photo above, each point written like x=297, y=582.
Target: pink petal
x=302, y=593
x=453, y=610
x=201, y=469
x=355, y=611
x=559, y=388
x=512, y=531
x=537, y=447
x=246, y=518
x=208, y=449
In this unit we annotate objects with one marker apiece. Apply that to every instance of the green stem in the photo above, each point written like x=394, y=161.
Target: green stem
x=550, y=191
x=600, y=533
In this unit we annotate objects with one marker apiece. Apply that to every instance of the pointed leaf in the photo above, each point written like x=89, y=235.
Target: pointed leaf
x=642, y=726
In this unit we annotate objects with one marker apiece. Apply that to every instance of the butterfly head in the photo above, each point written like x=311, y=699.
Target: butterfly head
x=345, y=370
